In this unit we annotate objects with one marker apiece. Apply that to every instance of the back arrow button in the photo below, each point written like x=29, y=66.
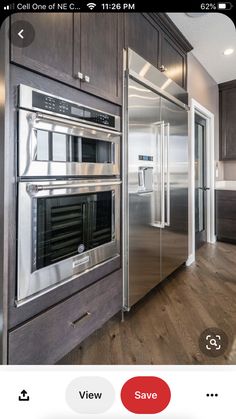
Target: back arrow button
x=20, y=34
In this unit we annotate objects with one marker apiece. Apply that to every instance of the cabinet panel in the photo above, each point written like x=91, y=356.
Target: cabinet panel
x=174, y=60
x=66, y=44
x=228, y=123
x=101, y=54
x=226, y=215
x=51, y=52
x=48, y=337
x=142, y=36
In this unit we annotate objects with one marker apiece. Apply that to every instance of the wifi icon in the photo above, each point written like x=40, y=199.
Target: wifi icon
x=91, y=6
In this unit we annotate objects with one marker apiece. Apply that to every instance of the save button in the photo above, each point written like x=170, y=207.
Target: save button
x=145, y=394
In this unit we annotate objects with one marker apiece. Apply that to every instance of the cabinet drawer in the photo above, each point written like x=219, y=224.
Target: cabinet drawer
x=51, y=335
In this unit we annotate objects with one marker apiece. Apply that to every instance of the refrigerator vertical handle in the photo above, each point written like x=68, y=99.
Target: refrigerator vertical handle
x=162, y=168
x=167, y=149
x=161, y=129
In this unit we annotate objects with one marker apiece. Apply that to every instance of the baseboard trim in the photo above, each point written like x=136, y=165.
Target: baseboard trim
x=190, y=260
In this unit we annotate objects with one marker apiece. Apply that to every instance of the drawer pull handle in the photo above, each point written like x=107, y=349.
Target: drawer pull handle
x=79, y=320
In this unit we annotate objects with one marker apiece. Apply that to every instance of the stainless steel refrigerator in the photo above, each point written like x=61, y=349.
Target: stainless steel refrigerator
x=155, y=174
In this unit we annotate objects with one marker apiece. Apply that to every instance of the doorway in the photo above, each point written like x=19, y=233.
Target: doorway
x=203, y=213
x=200, y=181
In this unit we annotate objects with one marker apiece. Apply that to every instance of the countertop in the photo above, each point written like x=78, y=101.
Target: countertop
x=225, y=185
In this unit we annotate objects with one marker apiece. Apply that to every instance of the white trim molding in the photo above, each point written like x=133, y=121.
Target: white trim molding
x=197, y=108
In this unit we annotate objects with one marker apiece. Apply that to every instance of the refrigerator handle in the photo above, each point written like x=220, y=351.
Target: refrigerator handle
x=167, y=149
x=162, y=168
x=161, y=223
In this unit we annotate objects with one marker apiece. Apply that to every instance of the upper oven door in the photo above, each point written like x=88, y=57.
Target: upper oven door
x=50, y=146
x=64, y=229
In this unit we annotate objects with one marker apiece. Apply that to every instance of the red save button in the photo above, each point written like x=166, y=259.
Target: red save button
x=145, y=395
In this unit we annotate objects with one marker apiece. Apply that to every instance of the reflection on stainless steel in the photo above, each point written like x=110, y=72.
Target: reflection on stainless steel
x=54, y=143
x=145, y=69
x=136, y=63
x=32, y=281
x=174, y=237
x=156, y=182
x=65, y=227
x=32, y=163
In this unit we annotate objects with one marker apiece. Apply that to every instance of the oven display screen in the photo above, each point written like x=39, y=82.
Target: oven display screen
x=87, y=114
x=77, y=111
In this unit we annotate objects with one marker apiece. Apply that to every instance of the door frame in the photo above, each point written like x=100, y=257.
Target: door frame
x=197, y=108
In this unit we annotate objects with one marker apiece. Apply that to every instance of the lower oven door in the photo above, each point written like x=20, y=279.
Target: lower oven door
x=64, y=228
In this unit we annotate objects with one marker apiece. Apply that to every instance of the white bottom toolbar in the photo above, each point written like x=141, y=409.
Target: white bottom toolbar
x=66, y=392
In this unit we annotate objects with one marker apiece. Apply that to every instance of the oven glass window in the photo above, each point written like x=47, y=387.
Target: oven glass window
x=57, y=147
x=42, y=151
x=68, y=226
x=96, y=151
x=89, y=150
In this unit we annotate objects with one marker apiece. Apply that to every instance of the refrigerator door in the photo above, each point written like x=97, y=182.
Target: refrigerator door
x=174, y=237
x=145, y=192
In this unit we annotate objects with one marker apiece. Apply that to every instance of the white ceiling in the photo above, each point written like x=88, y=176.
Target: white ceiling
x=210, y=34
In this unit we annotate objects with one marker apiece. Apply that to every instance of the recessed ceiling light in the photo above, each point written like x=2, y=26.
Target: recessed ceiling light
x=228, y=51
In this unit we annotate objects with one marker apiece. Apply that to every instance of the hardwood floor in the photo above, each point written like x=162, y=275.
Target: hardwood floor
x=165, y=326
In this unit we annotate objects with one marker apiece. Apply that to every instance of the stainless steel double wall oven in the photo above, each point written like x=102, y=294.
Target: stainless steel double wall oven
x=68, y=191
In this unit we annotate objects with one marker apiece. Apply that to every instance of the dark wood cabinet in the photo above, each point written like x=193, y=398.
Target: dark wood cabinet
x=173, y=50
x=227, y=93
x=174, y=61
x=142, y=36
x=85, y=50
x=226, y=215
x=51, y=52
x=98, y=43
x=155, y=37
x=48, y=337
x=66, y=45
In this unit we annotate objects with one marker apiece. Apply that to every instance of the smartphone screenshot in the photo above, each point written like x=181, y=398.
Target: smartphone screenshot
x=117, y=210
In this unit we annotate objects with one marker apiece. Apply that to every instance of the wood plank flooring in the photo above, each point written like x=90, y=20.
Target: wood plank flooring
x=164, y=327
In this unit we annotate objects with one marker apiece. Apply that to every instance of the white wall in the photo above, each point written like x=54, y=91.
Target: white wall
x=203, y=88
x=230, y=170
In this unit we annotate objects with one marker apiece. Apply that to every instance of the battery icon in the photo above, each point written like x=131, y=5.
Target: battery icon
x=224, y=6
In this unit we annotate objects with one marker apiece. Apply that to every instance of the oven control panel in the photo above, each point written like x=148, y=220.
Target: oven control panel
x=30, y=98
x=63, y=107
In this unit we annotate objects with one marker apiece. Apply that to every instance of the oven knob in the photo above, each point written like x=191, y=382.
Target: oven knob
x=32, y=189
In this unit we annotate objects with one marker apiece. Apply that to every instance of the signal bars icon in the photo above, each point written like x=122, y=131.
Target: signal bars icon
x=91, y=6
x=9, y=7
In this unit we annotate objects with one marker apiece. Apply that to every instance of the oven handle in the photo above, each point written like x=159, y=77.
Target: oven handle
x=113, y=221
x=34, y=188
x=42, y=117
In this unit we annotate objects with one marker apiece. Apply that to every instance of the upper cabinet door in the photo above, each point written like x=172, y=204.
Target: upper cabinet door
x=100, y=52
x=142, y=36
x=173, y=60
x=228, y=121
x=51, y=52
